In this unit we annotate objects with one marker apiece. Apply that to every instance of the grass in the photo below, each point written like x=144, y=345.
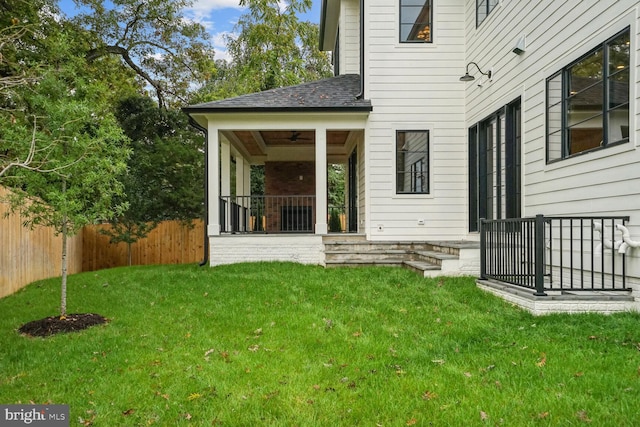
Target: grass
x=282, y=344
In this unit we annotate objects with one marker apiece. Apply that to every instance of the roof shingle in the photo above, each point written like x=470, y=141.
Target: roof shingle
x=335, y=93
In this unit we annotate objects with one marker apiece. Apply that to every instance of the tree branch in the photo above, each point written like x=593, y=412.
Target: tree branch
x=96, y=53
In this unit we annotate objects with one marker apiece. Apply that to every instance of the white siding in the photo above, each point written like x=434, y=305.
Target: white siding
x=415, y=86
x=604, y=182
x=349, y=37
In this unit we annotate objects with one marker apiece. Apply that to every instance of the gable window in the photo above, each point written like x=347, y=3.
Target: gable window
x=412, y=162
x=483, y=9
x=416, y=21
x=588, y=101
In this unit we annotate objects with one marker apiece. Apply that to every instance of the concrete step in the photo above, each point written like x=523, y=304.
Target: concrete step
x=434, y=257
x=388, y=262
x=421, y=267
x=427, y=258
x=371, y=255
x=364, y=246
x=343, y=238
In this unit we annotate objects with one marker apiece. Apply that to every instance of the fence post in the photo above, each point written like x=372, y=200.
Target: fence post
x=483, y=250
x=539, y=255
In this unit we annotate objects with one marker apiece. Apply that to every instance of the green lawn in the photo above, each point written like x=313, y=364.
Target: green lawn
x=285, y=344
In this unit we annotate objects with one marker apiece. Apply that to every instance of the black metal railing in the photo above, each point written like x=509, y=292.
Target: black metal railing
x=267, y=214
x=554, y=253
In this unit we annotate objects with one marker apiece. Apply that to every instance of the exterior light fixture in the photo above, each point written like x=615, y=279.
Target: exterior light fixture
x=468, y=77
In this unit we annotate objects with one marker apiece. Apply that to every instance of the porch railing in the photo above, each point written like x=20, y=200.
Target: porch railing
x=554, y=253
x=267, y=214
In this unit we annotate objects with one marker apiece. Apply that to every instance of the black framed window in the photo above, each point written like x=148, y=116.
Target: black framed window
x=483, y=9
x=412, y=162
x=416, y=21
x=588, y=101
x=495, y=166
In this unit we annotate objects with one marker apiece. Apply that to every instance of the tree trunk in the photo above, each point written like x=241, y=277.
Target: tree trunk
x=129, y=252
x=63, y=293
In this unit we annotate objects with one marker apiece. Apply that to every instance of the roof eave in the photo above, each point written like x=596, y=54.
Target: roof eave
x=210, y=110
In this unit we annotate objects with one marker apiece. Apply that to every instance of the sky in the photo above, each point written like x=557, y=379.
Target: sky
x=218, y=17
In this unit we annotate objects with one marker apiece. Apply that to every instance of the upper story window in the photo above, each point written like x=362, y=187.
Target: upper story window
x=483, y=9
x=412, y=162
x=416, y=21
x=588, y=101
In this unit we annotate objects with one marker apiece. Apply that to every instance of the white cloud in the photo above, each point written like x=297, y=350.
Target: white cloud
x=283, y=5
x=220, y=45
x=222, y=54
x=206, y=6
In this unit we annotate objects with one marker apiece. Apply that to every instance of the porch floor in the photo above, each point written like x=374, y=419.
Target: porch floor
x=605, y=302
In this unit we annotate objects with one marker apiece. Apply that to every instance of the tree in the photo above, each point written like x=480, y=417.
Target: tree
x=21, y=60
x=272, y=48
x=336, y=185
x=165, y=171
x=153, y=38
x=64, y=110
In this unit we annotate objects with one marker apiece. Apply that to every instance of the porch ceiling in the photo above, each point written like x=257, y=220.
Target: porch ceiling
x=258, y=143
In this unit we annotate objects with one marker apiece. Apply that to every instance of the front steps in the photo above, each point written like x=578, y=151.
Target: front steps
x=452, y=258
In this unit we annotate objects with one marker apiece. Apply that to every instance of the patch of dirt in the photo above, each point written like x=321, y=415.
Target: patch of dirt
x=55, y=325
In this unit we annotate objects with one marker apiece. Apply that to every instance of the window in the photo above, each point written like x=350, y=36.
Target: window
x=483, y=9
x=416, y=18
x=495, y=166
x=588, y=101
x=412, y=162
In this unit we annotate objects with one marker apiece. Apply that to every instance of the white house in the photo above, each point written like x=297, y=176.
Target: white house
x=547, y=126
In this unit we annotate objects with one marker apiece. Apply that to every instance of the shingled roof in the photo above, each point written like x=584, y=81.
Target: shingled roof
x=333, y=94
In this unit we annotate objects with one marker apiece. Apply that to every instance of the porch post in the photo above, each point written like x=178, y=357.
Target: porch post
x=246, y=191
x=321, y=180
x=213, y=221
x=240, y=163
x=225, y=183
x=243, y=199
x=225, y=168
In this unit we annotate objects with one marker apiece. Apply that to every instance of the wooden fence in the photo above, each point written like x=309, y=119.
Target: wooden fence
x=170, y=242
x=29, y=255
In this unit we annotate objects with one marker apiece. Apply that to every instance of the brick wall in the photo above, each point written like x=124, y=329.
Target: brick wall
x=303, y=249
x=283, y=179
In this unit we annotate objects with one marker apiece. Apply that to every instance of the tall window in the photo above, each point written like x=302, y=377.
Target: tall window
x=412, y=162
x=494, y=166
x=483, y=9
x=416, y=21
x=588, y=101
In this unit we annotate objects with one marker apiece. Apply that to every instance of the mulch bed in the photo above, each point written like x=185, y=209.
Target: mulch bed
x=55, y=325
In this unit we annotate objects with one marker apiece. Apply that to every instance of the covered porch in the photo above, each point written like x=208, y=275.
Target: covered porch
x=290, y=136
x=294, y=192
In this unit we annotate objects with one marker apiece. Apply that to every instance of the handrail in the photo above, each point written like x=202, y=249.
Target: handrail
x=553, y=253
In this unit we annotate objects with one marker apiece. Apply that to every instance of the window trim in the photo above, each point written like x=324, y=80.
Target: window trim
x=564, y=74
x=400, y=23
x=489, y=9
x=425, y=165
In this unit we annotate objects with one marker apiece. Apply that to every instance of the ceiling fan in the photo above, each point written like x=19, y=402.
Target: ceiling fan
x=295, y=136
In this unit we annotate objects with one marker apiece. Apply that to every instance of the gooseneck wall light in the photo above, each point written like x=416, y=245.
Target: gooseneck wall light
x=468, y=77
